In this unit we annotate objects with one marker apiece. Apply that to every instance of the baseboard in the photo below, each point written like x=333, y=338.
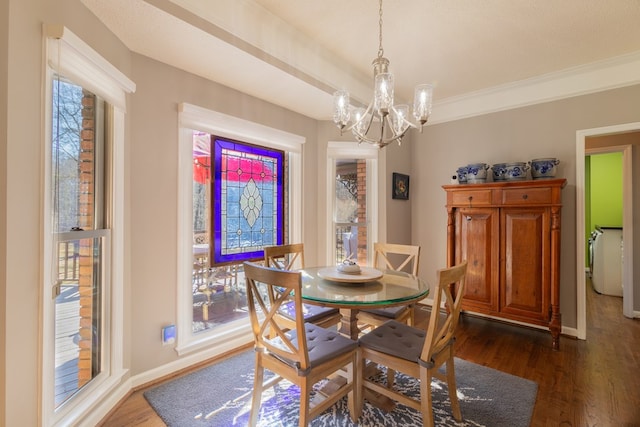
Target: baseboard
x=570, y=332
x=109, y=403
x=188, y=363
x=106, y=406
x=565, y=330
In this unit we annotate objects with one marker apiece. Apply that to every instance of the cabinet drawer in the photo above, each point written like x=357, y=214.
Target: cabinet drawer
x=471, y=198
x=526, y=196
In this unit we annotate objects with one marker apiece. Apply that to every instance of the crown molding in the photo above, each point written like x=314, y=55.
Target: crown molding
x=613, y=73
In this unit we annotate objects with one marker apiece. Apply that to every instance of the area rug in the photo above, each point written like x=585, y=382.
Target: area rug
x=220, y=395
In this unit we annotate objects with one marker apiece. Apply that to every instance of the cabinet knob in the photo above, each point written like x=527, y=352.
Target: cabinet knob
x=468, y=218
x=524, y=196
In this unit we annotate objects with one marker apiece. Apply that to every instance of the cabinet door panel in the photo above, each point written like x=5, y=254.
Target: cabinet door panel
x=525, y=277
x=476, y=232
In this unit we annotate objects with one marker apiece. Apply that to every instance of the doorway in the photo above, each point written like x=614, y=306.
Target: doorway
x=627, y=217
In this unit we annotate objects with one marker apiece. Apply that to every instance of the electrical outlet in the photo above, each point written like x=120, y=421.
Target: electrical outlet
x=168, y=334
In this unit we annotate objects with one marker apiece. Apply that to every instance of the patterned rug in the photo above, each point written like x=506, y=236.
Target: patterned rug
x=220, y=395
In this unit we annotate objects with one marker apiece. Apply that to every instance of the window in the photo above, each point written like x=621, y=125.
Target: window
x=351, y=210
x=267, y=163
x=77, y=220
x=352, y=183
x=82, y=321
x=248, y=190
x=238, y=201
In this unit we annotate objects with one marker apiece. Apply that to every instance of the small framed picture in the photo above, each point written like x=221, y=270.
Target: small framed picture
x=400, y=186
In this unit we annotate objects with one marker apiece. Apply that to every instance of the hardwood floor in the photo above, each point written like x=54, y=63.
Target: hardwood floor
x=587, y=383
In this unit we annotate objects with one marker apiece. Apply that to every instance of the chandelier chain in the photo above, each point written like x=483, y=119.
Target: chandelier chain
x=380, y=49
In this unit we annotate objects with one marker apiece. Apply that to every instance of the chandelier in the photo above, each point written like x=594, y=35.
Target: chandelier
x=391, y=121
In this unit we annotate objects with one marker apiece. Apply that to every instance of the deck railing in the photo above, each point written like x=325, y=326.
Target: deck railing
x=68, y=265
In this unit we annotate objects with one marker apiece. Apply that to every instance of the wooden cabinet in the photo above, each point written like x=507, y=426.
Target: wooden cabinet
x=509, y=232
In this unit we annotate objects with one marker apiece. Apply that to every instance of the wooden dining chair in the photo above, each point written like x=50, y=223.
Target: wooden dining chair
x=391, y=256
x=291, y=257
x=419, y=353
x=303, y=355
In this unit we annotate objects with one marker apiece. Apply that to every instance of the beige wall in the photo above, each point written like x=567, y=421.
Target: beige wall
x=4, y=64
x=21, y=194
x=22, y=210
x=544, y=130
x=153, y=171
x=619, y=139
x=398, y=159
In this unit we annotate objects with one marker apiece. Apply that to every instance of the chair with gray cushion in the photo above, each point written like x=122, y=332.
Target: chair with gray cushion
x=391, y=256
x=291, y=257
x=419, y=353
x=304, y=355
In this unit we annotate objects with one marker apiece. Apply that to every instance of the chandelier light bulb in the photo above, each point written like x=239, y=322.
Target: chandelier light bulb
x=361, y=122
x=383, y=94
x=399, y=122
x=422, y=102
x=341, y=108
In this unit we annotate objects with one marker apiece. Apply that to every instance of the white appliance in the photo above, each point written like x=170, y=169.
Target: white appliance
x=607, y=250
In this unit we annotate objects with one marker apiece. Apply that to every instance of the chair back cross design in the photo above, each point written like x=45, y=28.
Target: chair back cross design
x=304, y=355
x=441, y=331
x=392, y=256
x=269, y=334
x=285, y=257
x=291, y=257
x=419, y=353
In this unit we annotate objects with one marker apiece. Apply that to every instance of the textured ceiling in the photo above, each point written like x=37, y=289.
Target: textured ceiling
x=295, y=53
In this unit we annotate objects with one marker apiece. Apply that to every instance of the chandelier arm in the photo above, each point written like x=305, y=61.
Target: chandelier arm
x=407, y=121
x=355, y=124
x=363, y=138
x=410, y=123
x=396, y=136
x=381, y=142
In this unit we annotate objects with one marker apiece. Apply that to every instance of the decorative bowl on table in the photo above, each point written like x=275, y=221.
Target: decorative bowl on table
x=348, y=267
x=543, y=168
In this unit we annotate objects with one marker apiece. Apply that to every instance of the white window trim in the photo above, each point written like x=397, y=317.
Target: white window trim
x=353, y=150
x=192, y=117
x=68, y=54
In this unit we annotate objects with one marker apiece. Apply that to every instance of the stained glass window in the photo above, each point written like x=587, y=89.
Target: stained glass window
x=248, y=200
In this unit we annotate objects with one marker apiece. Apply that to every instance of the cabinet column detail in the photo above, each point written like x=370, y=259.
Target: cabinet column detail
x=556, y=317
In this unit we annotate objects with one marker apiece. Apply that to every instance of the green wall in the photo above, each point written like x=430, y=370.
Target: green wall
x=603, y=193
x=606, y=190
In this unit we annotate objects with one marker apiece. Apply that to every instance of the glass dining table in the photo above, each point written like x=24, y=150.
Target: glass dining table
x=370, y=288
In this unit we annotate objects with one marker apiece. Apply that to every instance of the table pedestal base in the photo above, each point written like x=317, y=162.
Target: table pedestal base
x=349, y=323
